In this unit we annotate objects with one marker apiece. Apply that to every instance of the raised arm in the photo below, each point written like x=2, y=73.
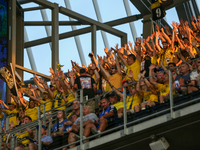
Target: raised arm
x=166, y=36
x=97, y=76
x=150, y=75
x=103, y=71
x=117, y=64
x=157, y=45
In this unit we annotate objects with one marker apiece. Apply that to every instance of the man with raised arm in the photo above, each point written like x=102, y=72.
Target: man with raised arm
x=133, y=62
x=115, y=75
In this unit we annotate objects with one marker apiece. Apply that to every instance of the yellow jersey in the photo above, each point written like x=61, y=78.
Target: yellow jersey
x=48, y=105
x=115, y=80
x=118, y=105
x=133, y=100
x=32, y=112
x=21, y=138
x=149, y=96
x=14, y=112
x=135, y=67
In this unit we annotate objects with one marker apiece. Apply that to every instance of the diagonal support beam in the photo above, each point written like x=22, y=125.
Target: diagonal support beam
x=31, y=71
x=82, y=31
x=84, y=19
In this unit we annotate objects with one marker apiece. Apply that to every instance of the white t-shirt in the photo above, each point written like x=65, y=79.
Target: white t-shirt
x=195, y=76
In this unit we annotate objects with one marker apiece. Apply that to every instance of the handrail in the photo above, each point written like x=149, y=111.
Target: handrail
x=38, y=121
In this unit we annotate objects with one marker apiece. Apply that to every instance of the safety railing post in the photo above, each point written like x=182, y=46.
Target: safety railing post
x=44, y=114
x=76, y=95
x=12, y=143
x=7, y=123
x=39, y=130
x=125, y=113
x=49, y=128
x=171, y=94
x=81, y=119
x=0, y=132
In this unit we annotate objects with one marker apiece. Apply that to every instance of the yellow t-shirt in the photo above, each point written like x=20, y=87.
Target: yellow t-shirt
x=134, y=99
x=118, y=105
x=149, y=96
x=107, y=87
x=70, y=97
x=56, y=102
x=48, y=105
x=135, y=67
x=21, y=138
x=13, y=118
x=164, y=89
x=32, y=112
x=115, y=80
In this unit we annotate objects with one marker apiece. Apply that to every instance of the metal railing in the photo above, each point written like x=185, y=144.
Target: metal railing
x=81, y=141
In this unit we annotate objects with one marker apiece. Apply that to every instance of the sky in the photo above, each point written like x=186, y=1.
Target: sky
x=110, y=10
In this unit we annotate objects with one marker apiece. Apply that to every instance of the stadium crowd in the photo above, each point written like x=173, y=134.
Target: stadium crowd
x=147, y=61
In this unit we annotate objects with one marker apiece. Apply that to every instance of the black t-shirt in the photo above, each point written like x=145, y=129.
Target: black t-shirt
x=86, y=83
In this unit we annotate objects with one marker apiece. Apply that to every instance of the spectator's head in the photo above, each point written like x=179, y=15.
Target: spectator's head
x=11, y=105
x=91, y=71
x=46, y=96
x=113, y=98
x=165, y=45
x=132, y=90
x=171, y=65
x=194, y=65
x=125, y=83
x=184, y=69
x=113, y=70
x=87, y=110
x=61, y=114
x=198, y=64
x=27, y=119
x=160, y=76
x=185, y=40
x=105, y=103
x=73, y=118
x=131, y=59
x=150, y=53
x=166, y=78
x=99, y=92
x=83, y=71
x=52, y=88
x=76, y=105
x=31, y=104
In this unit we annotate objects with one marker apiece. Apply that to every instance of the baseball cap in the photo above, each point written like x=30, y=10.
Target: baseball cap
x=42, y=127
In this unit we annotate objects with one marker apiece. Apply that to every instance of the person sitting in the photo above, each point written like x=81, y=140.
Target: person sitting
x=113, y=98
x=184, y=79
x=24, y=136
x=57, y=129
x=45, y=140
x=32, y=110
x=146, y=91
x=109, y=113
x=89, y=121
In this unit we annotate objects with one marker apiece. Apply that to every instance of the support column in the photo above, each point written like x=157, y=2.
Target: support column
x=94, y=39
x=147, y=26
x=55, y=36
x=123, y=40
